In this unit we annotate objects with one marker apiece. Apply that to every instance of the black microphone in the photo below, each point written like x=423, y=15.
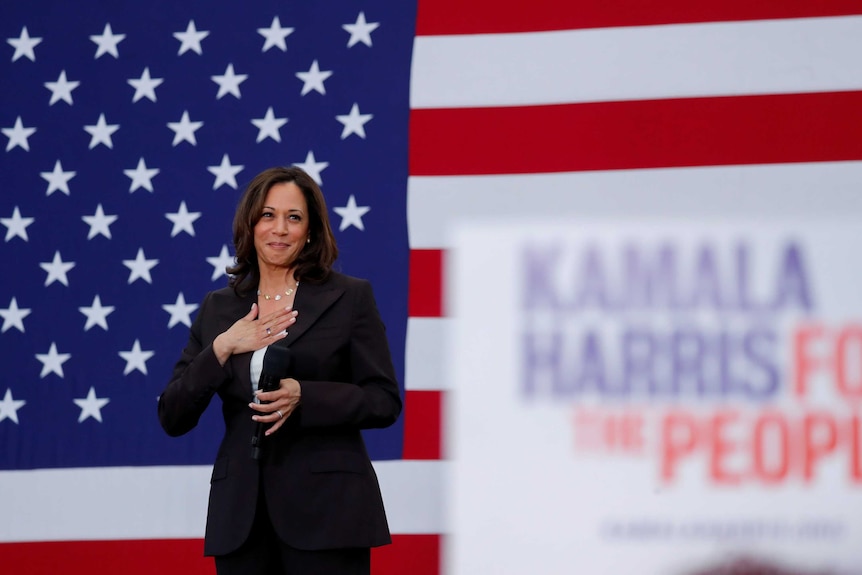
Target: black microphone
x=276, y=364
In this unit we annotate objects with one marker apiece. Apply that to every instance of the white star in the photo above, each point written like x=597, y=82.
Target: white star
x=351, y=214
x=16, y=225
x=221, y=262
x=268, y=126
x=58, y=179
x=313, y=79
x=313, y=167
x=185, y=130
x=360, y=31
x=136, y=359
x=225, y=173
x=101, y=132
x=354, y=122
x=183, y=220
x=180, y=311
x=145, y=86
x=13, y=316
x=91, y=406
x=52, y=362
x=97, y=314
x=107, y=42
x=140, y=267
x=9, y=407
x=99, y=223
x=24, y=45
x=141, y=176
x=57, y=269
x=61, y=89
x=228, y=83
x=191, y=39
x=18, y=135
x=275, y=35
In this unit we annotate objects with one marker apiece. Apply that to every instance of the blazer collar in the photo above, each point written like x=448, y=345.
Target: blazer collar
x=311, y=301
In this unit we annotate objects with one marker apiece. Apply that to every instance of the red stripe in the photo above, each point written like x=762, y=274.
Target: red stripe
x=422, y=424
x=637, y=134
x=497, y=16
x=90, y=557
x=408, y=554
x=415, y=554
x=425, y=283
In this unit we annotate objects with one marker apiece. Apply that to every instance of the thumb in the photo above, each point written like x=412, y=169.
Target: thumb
x=252, y=313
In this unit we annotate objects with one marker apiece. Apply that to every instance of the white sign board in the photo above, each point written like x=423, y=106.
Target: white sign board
x=655, y=398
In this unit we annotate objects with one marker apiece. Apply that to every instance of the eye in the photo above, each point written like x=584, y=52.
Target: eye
x=295, y=217
x=266, y=215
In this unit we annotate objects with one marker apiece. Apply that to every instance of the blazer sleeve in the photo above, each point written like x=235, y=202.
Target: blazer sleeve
x=372, y=398
x=196, y=377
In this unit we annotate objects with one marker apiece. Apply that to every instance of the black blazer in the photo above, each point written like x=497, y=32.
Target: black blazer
x=320, y=488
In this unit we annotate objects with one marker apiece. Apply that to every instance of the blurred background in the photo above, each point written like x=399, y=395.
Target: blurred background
x=130, y=130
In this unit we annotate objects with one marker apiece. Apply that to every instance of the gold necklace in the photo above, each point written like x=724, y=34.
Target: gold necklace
x=288, y=292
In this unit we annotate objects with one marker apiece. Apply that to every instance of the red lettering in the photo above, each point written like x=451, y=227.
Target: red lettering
x=588, y=424
x=849, y=347
x=679, y=438
x=631, y=432
x=768, y=448
x=721, y=447
x=804, y=362
x=599, y=430
x=820, y=437
x=855, y=447
x=762, y=445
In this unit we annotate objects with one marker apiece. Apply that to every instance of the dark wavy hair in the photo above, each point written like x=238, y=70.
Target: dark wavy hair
x=314, y=262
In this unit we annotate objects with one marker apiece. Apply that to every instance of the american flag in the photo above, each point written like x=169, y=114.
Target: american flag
x=130, y=130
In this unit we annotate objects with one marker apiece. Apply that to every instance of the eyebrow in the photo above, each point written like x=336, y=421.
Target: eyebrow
x=290, y=210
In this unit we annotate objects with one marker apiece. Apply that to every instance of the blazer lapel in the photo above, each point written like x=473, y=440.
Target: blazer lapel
x=311, y=301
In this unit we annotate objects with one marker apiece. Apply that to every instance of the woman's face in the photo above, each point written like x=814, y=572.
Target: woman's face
x=282, y=230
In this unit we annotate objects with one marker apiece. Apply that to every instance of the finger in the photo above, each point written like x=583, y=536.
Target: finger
x=277, y=314
x=268, y=417
x=267, y=400
x=288, y=319
x=279, y=320
x=277, y=425
x=252, y=313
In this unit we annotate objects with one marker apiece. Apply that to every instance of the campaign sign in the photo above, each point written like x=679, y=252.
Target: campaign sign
x=657, y=397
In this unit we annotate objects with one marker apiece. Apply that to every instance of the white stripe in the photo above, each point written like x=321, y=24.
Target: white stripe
x=818, y=189
x=424, y=364
x=171, y=502
x=414, y=495
x=758, y=57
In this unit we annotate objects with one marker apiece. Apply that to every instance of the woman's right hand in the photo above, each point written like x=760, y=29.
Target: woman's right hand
x=251, y=334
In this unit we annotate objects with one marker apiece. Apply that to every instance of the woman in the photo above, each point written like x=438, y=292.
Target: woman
x=311, y=502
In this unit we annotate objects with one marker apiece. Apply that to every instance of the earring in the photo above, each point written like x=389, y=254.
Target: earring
x=308, y=240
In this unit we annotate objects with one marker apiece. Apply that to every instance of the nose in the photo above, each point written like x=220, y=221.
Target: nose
x=280, y=226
